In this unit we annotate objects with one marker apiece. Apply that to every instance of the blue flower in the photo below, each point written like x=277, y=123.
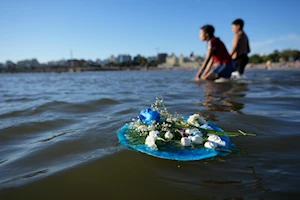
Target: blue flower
x=149, y=116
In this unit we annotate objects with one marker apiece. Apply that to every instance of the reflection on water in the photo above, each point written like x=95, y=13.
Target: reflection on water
x=223, y=97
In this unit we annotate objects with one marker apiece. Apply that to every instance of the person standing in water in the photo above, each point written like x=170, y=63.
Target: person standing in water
x=216, y=52
x=240, y=46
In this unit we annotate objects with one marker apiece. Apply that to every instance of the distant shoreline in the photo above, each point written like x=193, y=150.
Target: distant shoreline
x=288, y=65
x=277, y=65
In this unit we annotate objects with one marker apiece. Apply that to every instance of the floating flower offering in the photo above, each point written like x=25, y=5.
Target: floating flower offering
x=159, y=133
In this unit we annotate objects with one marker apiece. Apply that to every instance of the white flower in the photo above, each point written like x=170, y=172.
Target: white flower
x=174, y=119
x=194, y=123
x=169, y=135
x=216, y=139
x=150, y=142
x=192, y=131
x=205, y=126
x=142, y=128
x=151, y=128
x=154, y=133
x=169, y=119
x=210, y=145
x=195, y=119
x=197, y=139
x=185, y=142
x=164, y=126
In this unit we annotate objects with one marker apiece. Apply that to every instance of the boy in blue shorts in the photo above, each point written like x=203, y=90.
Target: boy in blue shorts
x=216, y=52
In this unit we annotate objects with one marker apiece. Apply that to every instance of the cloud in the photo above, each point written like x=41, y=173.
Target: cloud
x=263, y=43
x=292, y=37
x=289, y=37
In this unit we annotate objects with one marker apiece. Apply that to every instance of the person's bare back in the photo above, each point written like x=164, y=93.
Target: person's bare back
x=242, y=45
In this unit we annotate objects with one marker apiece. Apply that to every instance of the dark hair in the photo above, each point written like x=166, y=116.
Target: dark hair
x=209, y=29
x=239, y=22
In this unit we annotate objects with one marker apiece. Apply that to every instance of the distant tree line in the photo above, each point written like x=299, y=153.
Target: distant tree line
x=276, y=56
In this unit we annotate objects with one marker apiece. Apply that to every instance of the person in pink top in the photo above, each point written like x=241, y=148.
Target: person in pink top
x=216, y=52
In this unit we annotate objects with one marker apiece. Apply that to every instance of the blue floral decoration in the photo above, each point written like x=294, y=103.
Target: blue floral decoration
x=149, y=116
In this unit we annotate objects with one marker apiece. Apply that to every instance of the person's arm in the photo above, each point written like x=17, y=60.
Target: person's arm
x=204, y=64
x=208, y=67
x=234, y=45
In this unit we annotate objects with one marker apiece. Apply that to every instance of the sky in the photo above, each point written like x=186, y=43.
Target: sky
x=92, y=29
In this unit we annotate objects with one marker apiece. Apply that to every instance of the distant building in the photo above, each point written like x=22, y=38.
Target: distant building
x=151, y=58
x=28, y=63
x=35, y=63
x=124, y=58
x=75, y=63
x=172, y=60
x=98, y=61
x=60, y=63
x=113, y=59
x=189, y=62
x=11, y=66
x=181, y=61
x=104, y=62
x=10, y=63
x=89, y=63
x=161, y=57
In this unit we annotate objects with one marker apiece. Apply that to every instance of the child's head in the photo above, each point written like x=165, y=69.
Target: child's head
x=237, y=25
x=206, y=32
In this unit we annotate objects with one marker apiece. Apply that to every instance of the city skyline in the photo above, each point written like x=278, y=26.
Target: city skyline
x=120, y=58
x=98, y=29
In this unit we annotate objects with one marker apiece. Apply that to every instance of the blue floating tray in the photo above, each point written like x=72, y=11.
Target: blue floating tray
x=198, y=152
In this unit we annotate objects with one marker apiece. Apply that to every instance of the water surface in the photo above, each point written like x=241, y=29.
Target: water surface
x=58, y=136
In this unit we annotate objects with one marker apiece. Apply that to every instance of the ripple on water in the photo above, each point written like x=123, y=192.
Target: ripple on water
x=66, y=122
